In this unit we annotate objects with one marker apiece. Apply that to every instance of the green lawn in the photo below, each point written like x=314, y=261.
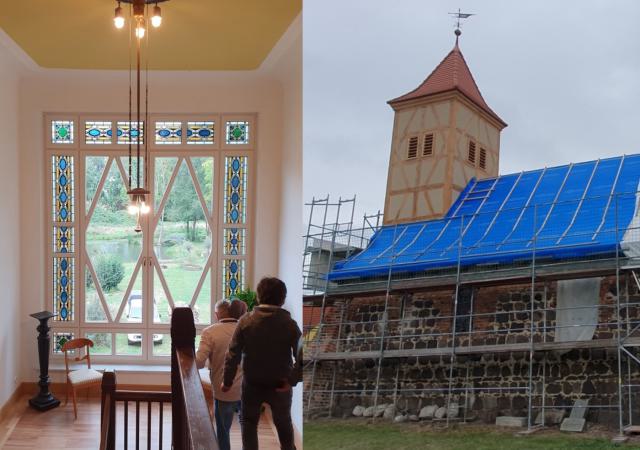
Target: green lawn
x=359, y=435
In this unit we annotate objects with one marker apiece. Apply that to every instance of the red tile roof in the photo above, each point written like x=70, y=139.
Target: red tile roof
x=451, y=74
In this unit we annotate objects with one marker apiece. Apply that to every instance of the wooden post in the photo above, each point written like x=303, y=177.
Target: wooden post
x=183, y=334
x=108, y=408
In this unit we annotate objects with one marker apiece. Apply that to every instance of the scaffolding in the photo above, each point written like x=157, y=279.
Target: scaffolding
x=462, y=336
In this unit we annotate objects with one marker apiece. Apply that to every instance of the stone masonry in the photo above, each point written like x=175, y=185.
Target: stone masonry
x=486, y=316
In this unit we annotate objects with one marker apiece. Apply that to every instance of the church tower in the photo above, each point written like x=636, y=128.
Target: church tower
x=444, y=134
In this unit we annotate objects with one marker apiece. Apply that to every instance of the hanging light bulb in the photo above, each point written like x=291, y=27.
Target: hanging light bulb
x=140, y=29
x=133, y=209
x=144, y=208
x=118, y=20
x=156, y=19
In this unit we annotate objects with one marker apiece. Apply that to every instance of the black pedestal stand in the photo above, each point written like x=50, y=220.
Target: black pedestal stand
x=44, y=400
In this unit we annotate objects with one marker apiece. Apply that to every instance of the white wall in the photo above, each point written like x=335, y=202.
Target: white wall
x=287, y=68
x=10, y=313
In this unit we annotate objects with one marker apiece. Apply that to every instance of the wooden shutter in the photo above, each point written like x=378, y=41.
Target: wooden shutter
x=427, y=145
x=413, y=147
x=472, y=152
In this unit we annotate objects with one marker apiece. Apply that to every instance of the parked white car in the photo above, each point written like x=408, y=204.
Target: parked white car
x=134, y=314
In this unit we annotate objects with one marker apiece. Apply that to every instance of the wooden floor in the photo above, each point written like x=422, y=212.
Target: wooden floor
x=57, y=429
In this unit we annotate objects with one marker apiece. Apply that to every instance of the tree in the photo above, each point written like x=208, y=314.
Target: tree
x=183, y=204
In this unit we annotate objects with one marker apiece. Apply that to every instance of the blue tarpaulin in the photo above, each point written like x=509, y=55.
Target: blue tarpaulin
x=576, y=211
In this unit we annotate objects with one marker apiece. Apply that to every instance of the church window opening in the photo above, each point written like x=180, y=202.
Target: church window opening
x=427, y=146
x=483, y=158
x=412, y=151
x=472, y=153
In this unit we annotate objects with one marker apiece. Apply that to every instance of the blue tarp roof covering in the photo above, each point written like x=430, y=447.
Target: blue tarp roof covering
x=575, y=211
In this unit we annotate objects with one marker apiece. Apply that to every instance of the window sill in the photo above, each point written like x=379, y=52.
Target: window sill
x=121, y=368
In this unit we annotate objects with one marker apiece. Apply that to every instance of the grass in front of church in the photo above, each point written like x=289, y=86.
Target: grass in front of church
x=359, y=435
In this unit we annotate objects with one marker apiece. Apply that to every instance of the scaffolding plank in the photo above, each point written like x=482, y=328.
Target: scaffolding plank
x=476, y=349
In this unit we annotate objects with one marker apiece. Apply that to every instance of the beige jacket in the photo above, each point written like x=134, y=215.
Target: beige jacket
x=213, y=347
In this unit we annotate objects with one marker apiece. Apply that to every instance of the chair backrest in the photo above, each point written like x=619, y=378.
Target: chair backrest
x=76, y=344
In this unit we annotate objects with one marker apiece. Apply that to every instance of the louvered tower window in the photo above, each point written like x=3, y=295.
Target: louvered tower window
x=472, y=152
x=483, y=158
x=427, y=145
x=412, y=152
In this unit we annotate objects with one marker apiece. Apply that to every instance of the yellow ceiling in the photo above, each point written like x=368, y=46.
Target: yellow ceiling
x=195, y=34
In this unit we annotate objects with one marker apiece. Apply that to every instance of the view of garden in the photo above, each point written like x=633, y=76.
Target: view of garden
x=181, y=243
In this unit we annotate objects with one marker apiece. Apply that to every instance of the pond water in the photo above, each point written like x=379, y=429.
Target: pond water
x=127, y=249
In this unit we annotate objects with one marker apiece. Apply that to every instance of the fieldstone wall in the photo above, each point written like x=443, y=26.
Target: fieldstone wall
x=484, y=385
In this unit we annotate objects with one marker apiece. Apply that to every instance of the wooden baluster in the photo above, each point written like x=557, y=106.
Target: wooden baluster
x=108, y=408
x=137, y=424
x=126, y=425
x=148, y=425
x=160, y=405
x=183, y=334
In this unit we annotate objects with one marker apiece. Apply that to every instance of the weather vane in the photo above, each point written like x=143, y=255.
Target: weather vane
x=459, y=15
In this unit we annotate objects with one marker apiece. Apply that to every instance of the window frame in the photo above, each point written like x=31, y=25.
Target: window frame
x=79, y=149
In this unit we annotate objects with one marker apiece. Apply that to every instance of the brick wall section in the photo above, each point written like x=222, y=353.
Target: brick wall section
x=501, y=316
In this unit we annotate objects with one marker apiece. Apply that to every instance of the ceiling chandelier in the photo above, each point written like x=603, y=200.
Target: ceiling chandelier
x=140, y=12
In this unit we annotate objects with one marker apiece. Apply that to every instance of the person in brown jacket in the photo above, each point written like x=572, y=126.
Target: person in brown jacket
x=266, y=340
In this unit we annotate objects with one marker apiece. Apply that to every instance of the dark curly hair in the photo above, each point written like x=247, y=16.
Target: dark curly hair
x=271, y=291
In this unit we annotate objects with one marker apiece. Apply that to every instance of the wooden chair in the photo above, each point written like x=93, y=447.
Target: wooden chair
x=79, y=378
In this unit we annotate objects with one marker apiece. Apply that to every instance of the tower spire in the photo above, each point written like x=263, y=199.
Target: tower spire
x=459, y=15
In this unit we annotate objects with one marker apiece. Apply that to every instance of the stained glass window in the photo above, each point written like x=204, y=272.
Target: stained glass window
x=235, y=189
x=168, y=133
x=59, y=339
x=200, y=132
x=62, y=239
x=63, y=273
x=62, y=131
x=98, y=132
x=237, y=132
x=232, y=277
x=130, y=134
x=62, y=180
x=234, y=241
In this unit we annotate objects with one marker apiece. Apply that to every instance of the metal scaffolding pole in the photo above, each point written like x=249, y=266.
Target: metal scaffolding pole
x=385, y=317
x=452, y=358
x=532, y=302
x=401, y=322
x=619, y=327
x=324, y=297
x=544, y=356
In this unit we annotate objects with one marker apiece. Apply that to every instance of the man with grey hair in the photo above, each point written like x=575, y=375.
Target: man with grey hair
x=213, y=346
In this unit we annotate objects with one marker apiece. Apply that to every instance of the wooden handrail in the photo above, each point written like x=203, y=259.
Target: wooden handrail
x=192, y=425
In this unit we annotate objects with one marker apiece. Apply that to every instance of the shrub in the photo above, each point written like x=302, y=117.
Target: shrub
x=95, y=312
x=110, y=271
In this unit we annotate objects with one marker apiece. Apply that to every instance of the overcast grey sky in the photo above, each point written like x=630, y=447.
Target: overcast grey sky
x=565, y=76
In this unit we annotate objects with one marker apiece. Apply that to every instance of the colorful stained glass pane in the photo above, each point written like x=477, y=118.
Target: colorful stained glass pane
x=168, y=133
x=59, y=339
x=62, y=239
x=63, y=273
x=235, y=189
x=129, y=134
x=232, y=277
x=62, y=187
x=237, y=132
x=98, y=132
x=200, y=133
x=62, y=131
x=234, y=241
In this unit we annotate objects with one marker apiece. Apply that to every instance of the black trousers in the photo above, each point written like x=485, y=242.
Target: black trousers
x=253, y=397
